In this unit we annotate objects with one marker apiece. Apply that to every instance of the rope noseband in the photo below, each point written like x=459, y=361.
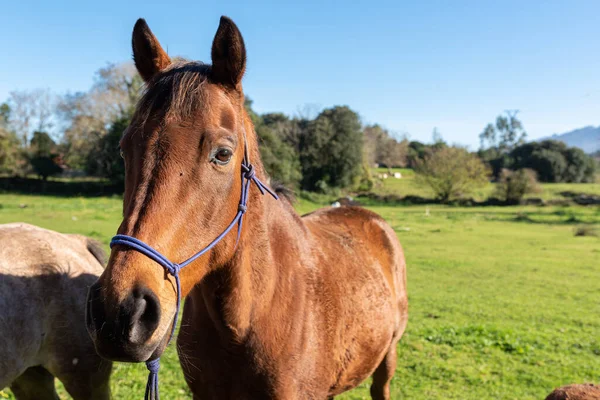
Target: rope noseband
x=173, y=269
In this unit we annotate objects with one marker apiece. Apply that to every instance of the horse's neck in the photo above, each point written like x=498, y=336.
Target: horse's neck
x=259, y=281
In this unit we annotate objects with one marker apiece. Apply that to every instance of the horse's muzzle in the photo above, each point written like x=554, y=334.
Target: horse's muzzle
x=124, y=333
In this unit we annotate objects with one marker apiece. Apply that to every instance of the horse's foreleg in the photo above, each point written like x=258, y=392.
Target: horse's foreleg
x=380, y=388
x=36, y=383
x=90, y=381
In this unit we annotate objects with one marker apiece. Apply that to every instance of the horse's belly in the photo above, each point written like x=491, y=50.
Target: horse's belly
x=361, y=358
x=21, y=342
x=368, y=319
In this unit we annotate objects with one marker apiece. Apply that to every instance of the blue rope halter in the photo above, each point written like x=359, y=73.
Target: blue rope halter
x=248, y=176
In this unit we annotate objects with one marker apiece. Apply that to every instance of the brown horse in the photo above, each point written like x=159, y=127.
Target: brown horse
x=586, y=391
x=301, y=308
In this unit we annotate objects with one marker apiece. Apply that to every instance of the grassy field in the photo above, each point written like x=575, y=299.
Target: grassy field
x=504, y=301
x=407, y=186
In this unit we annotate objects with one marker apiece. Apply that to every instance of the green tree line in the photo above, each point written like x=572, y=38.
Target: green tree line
x=79, y=133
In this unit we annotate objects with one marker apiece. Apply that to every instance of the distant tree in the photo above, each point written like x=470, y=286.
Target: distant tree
x=514, y=185
x=41, y=144
x=496, y=161
x=545, y=158
x=436, y=137
x=489, y=139
x=31, y=110
x=418, y=151
x=45, y=166
x=394, y=153
x=331, y=150
x=9, y=152
x=279, y=157
x=43, y=158
x=289, y=130
x=4, y=115
x=382, y=148
x=451, y=172
x=9, y=143
x=277, y=121
x=88, y=116
x=553, y=161
x=105, y=159
x=504, y=135
x=256, y=119
x=580, y=166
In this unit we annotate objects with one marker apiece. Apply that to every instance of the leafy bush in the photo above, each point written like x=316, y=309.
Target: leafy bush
x=451, y=172
x=514, y=185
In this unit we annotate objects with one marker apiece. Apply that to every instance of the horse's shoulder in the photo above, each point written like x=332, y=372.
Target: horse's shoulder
x=353, y=224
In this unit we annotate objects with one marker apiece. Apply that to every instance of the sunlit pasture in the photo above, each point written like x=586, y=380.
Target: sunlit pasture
x=504, y=301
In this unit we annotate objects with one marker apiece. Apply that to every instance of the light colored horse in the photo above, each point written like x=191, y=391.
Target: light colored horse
x=44, y=279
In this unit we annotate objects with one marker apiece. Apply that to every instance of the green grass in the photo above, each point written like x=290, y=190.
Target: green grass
x=504, y=301
x=407, y=186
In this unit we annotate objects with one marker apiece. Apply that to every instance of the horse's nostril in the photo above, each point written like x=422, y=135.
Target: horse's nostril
x=145, y=315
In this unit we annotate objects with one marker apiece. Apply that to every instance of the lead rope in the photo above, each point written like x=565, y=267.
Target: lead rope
x=248, y=176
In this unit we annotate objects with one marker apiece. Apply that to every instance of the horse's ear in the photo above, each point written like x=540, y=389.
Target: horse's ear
x=148, y=55
x=228, y=54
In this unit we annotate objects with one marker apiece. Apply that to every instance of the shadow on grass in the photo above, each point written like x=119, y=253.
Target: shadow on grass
x=374, y=199
x=66, y=188
x=541, y=219
x=583, y=199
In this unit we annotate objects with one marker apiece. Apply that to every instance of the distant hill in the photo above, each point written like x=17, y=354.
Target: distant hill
x=587, y=138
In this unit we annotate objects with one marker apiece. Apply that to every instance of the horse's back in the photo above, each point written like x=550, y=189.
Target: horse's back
x=361, y=267
x=25, y=248
x=354, y=240
x=44, y=278
x=362, y=233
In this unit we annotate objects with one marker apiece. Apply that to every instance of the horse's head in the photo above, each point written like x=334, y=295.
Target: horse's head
x=183, y=152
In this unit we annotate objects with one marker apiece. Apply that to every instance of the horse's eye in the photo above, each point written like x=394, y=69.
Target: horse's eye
x=223, y=156
x=121, y=153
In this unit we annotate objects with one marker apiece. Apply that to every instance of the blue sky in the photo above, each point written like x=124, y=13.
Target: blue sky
x=410, y=66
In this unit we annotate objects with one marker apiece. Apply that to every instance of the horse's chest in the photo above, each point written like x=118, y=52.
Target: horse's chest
x=218, y=370
x=217, y=366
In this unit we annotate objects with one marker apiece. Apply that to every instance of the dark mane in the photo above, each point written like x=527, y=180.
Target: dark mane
x=283, y=191
x=175, y=93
